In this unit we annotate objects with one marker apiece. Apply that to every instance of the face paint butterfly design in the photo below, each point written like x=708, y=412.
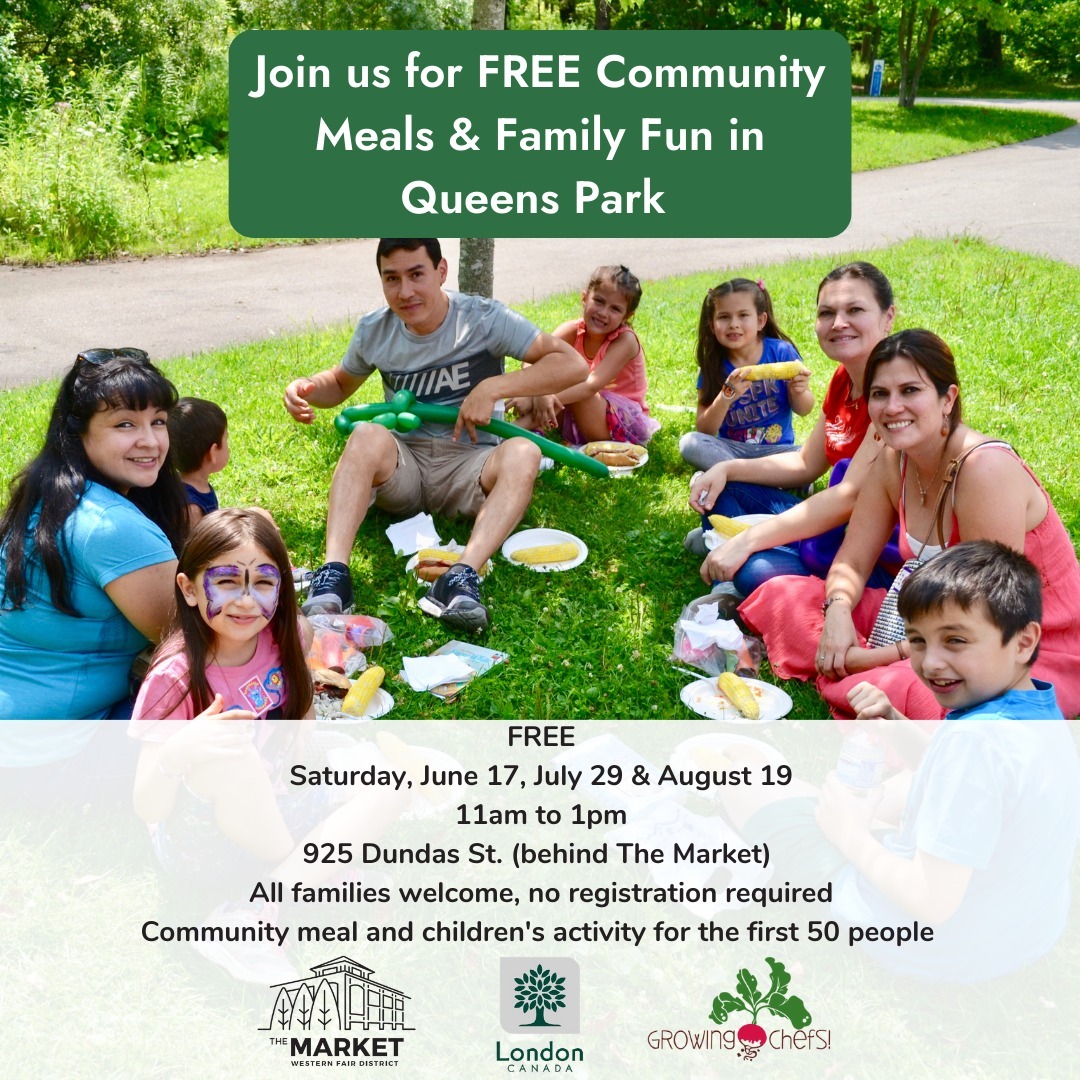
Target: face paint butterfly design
x=225, y=585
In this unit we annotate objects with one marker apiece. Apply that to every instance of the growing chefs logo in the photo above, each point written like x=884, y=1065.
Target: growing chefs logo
x=339, y=996
x=539, y=996
x=750, y=1037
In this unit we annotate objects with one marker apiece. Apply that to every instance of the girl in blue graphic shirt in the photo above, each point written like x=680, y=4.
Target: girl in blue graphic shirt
x=737, y=417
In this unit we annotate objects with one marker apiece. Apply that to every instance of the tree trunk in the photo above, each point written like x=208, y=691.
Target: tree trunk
x=990, y=47
x=489, y=15
x=603, y=15
x=933, y=17
x=476, y=272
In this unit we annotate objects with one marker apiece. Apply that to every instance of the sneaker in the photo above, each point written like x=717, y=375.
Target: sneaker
x=455, y=599
x=546, y=463
x=261, y=962
x=330, y=592
x=301, y=577
x=695, y=542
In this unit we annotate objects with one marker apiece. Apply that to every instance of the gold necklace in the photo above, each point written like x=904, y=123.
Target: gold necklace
x=924, y=491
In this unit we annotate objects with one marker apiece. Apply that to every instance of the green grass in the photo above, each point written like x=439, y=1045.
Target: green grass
x=594, y=643
x=883, y=134
x=187, y=205
x=184, y=205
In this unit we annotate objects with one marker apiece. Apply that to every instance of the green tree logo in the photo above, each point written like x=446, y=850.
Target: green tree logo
x=539, y=991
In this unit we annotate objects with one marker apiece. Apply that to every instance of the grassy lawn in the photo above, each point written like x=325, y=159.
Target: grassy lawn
x=594, y=643
x=883, y=134
x=185, y=204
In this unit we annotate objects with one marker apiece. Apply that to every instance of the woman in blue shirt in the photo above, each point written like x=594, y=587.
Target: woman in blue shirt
x=88, y=544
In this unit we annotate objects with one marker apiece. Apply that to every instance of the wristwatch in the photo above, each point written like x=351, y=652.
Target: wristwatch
x=728, y=391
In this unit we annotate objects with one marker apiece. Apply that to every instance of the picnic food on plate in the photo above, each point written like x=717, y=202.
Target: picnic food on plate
x=727, y=527
x=619, y=455
x=787, y=369
x=432, y=563
x=738, y=692
x=546, y=553
x=363, y=690
x=330, y=682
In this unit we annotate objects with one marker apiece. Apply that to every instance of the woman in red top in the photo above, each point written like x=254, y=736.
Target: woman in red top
x=818, y=630
x=855, y=311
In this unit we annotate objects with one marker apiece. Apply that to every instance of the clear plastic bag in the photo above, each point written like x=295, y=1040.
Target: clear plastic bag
x=339, y=641
x=744, y=659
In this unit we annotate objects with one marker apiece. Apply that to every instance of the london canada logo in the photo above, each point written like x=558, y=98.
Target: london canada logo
x=339, y=996
x=748, y=998
x=539, y=996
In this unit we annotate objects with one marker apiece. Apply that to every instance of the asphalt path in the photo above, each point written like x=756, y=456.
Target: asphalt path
x=1025, y=196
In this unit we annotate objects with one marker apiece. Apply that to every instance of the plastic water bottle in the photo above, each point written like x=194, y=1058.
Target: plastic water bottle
x=861, y=764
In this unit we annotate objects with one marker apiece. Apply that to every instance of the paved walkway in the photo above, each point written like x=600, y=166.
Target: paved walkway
x=1025, y=196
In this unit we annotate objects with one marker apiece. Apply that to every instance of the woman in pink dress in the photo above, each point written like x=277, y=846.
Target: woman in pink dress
x=945, y=483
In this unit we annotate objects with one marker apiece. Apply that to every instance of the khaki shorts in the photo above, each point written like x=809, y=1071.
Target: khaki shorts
x=437, y=475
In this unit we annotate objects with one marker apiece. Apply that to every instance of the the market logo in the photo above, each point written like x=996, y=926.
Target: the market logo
x=339, y=996
x=539, y=996
x=750, y=1037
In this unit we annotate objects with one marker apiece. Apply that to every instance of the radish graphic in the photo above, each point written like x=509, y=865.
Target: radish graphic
x=752, y=1036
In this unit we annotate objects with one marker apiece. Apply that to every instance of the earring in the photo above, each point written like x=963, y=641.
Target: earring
x=944, y=424
x=877, y=435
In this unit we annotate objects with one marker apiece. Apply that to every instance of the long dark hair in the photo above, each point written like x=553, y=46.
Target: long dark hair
x=710, y=353
x=215, y=534
x=52, y=484
x=928, y=353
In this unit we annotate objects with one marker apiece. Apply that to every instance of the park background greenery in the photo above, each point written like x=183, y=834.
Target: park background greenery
x=595, y=642
x=146, y=128
x=114, y=113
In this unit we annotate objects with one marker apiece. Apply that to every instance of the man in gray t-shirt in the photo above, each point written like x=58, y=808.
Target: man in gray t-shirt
x=447, y=348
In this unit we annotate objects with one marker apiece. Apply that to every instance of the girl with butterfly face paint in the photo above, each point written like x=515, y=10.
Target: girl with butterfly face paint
x=236, y=632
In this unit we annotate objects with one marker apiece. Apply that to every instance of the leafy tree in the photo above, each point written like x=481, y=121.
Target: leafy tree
x=540, y=991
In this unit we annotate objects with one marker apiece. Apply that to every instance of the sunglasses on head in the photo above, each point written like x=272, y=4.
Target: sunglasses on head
x=101, y=356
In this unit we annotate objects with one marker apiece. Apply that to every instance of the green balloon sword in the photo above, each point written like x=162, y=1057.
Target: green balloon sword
x=404, y=413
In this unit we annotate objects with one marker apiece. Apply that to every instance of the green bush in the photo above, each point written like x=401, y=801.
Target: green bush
x=22, y=82
x=65, y=185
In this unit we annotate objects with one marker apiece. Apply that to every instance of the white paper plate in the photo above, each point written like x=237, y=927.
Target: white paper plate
x=537, y=537
x=379, y=705
x=617, y=470
x=703, y=697
x=714, y=540
x=740, y=750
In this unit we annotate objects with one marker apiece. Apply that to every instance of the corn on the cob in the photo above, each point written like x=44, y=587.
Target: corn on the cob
x=363, y=690
x=788, y=369
x=739, y=694
x=727, y=527
x=546, y=553
x=438, y=553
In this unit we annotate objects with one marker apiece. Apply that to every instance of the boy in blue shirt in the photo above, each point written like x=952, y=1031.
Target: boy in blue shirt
x=199, y=440
x=984, y=845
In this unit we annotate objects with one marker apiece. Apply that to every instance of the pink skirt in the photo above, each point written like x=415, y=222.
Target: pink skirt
x=626, y=422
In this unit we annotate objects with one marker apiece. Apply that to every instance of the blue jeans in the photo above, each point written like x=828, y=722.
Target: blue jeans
x=739, y=498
